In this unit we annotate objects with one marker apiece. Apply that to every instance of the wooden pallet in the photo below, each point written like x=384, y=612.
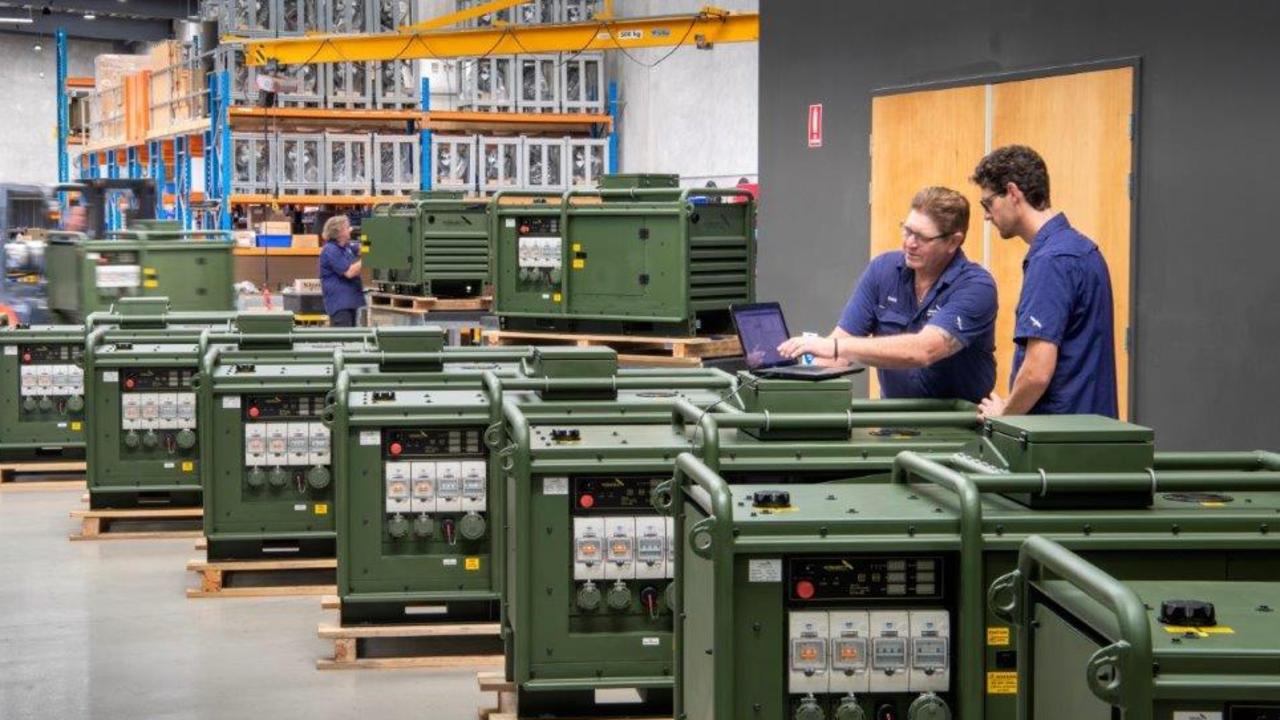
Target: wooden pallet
x=96, y=524
x=214, y=577
x=346, y=641
x=414, y=304
x=330, y=602
x=505, y=690
x=10, y=471
x=632, y=349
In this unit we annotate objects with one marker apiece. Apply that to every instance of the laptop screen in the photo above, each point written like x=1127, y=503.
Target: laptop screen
x=761, y=328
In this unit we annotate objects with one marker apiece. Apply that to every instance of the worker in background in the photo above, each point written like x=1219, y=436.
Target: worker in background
x=77, y=219
x=924, y=316
x=1064, y=360
x=340, y=267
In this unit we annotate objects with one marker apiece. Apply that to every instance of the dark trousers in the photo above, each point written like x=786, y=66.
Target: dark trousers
x=343, y=318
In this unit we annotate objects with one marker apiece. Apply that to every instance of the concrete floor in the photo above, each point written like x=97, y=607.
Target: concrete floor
x=104, y=630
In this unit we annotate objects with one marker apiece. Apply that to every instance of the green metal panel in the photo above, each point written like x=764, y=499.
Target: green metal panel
x=434, y=244
x=646, y=261
x=41, y=392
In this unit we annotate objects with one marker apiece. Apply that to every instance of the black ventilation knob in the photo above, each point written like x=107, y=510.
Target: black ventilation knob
x=560, y=436
x=771, y=499
x=1191, y=613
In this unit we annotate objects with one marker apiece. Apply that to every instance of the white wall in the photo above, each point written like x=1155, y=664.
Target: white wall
x=29, y=124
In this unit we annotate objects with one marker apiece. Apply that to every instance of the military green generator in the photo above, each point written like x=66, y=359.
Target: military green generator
x=435, y=244
x=1092, y=647
x=141, y=442
x=266, y=454
x=41, y=392
x=193, y=269
x=640, y=260
x=426, y=541
x=869, y=600
x=588, y=599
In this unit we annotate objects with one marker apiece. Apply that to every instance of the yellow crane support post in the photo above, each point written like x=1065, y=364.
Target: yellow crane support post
x=430, y=40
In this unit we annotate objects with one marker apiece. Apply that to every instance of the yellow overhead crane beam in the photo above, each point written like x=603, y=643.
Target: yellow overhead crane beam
x=425, y=40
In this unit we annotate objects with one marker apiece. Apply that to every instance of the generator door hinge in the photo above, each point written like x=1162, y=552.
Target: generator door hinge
x=644, y=233
x=644, y=278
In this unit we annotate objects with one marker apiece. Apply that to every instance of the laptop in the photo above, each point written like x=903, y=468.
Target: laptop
x=761, y=329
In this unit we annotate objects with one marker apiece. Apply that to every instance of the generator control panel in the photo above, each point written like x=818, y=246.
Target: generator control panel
x=437, y=485
x=50, y=380
x=868, y=631
x=540, y=253
x=286, y=446
x=157, y=410
x=623, y=554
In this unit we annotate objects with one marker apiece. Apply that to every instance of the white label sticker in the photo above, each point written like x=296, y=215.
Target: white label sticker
x=231, y=402
x=170, y=466
x=370, y=437
x=62, y=426
x=1196, y=715
x=764, y=571
x=555, y=486
x=110, y=376
x=511, y=222
x=651, y=641
x=10, y=349
x=450, y=562
x=301, y=507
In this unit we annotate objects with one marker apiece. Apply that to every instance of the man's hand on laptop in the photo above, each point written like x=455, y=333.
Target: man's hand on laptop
x=819, y=347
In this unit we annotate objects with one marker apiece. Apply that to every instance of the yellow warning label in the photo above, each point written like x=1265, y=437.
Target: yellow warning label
x=322, y=508
x=998, y=636
x=75, y=426
x=1002, y=683
x=149, y=272
x=151, y=284
x=1213, y=504
x=577, y=247
x=555, y=297
x=1202, y=632
x=188, y=466
x=579, y=263
x=472, y=563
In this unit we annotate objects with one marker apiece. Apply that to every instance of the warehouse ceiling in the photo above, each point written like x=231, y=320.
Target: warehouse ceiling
x=119, y=20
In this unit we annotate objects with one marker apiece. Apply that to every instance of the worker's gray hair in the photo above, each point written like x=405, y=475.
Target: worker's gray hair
x=333, y=226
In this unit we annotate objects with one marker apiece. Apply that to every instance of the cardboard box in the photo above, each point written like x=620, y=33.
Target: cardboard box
x=244, y=238
x=303, y=286
x=274, y=227
x=306, y=241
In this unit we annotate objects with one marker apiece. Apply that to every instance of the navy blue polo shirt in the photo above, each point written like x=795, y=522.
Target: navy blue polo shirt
x=962, y=302
x=340, y=293
x=1066, y=300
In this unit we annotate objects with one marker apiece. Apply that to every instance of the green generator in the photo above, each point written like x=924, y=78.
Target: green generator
x=435, y=244
x=41, y=392
x=639, y=260
x=141, y=442
x=425, y=540
x=1092, y=647
x=266, y=454
x=154, y=258
x=588, y=598
x=869, y=600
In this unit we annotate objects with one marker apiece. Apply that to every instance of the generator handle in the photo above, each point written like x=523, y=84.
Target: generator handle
x=1119, y=674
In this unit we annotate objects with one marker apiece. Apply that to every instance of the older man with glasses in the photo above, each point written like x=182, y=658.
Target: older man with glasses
x=924, y=316
x=1064, y=359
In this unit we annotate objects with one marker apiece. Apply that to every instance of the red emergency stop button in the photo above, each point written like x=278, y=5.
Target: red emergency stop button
x=254, y=411
x=26, y=357
x=524, y=229
x=805, y=589
x=587, y=501
x=396, y=448
x=129, y=383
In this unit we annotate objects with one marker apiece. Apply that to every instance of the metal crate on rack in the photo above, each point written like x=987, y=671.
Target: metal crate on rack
x=572, y=11
x=299, y=17
x=543, y=163
x=349, y=85
x=253, y=169
x=588, y=161
x=502, y=16
x=500, y=163
x=397, y=166
x=487, y=84
x=311, y=85
x=582, y=83
x=244, y=79
x=397, y=85
x=248, y=18
x=300, y=158
x=453, y=162
x=537, y=12
x=347, y=163
x=347, y=16
x=538, y=83
x=391, y=15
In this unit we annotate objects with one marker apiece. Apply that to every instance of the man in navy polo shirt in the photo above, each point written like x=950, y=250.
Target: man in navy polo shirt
x=1064, y=360
x=924, y=316
x=340, y=266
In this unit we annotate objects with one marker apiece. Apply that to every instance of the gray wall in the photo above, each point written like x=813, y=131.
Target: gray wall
x=1207, y=298
x=28, y=125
